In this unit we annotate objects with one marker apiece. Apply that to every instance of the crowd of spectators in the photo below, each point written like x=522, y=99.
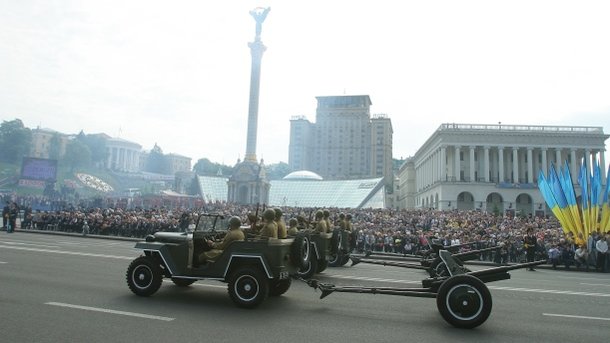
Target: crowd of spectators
x=384, y=230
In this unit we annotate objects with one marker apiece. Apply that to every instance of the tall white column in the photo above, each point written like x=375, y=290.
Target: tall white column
x=588, y=160
x=443, y=163
x=573, y=164
x=456, y=170
x=544, y=166
x=501, y=164
x=603, y=166
x=472, y=174
x=558, y=156
x=530, y=166
x=515, y=165
x=486, y=163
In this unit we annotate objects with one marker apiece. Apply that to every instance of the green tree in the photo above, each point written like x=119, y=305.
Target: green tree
x=97, y=146
x=206, y=167
x=157, y=163
x=55, y=147
x=278, y=170
x=15, y=141
x=77, y=154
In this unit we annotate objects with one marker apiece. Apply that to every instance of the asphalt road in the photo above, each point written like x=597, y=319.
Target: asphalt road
x=73, y=289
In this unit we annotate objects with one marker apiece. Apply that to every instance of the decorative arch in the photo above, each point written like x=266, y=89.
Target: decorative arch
x=524, y=204
x=494, y=203
x=465, y=201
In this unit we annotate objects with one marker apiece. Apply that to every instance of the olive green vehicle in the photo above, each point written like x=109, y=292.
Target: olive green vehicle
x=253, y=268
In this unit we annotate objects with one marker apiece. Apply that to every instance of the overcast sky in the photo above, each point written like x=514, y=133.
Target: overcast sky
x=177, y=73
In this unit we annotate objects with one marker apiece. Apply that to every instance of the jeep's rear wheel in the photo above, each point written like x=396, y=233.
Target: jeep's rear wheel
x=248, y=287
x=322, y=265
x=182, y=282
x=279, y=287
x=144, y=276
x=300, y=250
x=309, y=268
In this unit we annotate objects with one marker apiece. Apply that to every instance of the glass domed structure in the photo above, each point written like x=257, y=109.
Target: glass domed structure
x=302, y=175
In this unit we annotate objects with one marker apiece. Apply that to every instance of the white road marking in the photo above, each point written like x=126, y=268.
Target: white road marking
x=573, y=316
x=1, y=262
x=104, y=310
x=595, y=284
x=34, y=244
x=68, y=252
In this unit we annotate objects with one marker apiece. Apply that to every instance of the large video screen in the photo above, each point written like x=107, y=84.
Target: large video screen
x=39, y=169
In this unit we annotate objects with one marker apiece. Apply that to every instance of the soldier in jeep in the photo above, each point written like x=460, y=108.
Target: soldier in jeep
x=269, y=229
x=234, y=234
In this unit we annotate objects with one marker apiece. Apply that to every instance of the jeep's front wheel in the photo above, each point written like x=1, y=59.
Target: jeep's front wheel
x=248, y=287
x=144, y=276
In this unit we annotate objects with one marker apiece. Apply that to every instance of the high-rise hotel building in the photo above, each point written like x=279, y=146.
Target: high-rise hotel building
x=345, y=142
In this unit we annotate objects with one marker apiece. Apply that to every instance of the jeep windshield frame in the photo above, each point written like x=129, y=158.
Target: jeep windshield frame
x=207, y=222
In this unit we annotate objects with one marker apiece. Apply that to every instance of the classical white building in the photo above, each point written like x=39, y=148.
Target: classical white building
x=123, y=155
x=494, y=167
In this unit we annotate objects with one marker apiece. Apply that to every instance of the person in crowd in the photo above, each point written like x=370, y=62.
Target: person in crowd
x=554, y=256
x=530, y=243
x=602, y=250
x=234, y=234
x=581, y=257
x=5, y=212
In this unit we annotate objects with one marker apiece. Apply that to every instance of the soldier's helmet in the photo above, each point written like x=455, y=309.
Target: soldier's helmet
x=319, y=214
x=341, y=215
x=348, y=216
x=269, y=214
x=326, y=213
x=234, y=222
x=293, y=222
x=278, y=213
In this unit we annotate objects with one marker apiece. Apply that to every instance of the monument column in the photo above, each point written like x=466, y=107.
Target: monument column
x=443, y=167
x=530, y=166
x=544, y=167
x=257, y=48
x=456, y=170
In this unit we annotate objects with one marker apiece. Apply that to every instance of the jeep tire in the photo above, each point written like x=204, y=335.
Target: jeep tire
x=248, y=287
x=144, y=276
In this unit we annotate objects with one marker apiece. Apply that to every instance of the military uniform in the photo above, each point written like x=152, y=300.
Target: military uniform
x=281, y=225
x=269, y=229
x=234, y=234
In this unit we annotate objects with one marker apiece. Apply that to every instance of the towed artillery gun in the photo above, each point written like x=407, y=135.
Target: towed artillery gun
x=462, y=298
x=253, y=268
x=430, y=262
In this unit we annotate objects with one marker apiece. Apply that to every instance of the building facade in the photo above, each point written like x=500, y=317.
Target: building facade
x=47, y=143
x=495, y=167
x=178, y=163
x=123, y=155
x=345, y=142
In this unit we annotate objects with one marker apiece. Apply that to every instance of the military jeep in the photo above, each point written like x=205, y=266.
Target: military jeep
x=253, y=268
x=317, y=250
